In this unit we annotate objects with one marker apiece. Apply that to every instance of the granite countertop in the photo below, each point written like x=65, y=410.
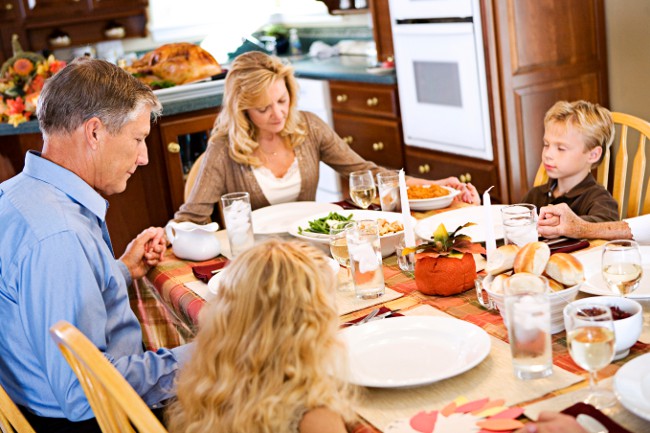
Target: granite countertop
x=346, y=68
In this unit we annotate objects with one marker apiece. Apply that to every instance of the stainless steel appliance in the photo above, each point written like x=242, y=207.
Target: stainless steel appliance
x=440, y=68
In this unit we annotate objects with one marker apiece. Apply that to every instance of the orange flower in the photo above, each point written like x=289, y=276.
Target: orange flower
x=15, y=106
x=56, y=66
x=23, y=67
x=36, y=85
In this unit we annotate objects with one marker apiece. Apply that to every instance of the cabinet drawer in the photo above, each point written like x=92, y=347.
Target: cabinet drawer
x=377, y=140
x=363, y=98
x=435, y=165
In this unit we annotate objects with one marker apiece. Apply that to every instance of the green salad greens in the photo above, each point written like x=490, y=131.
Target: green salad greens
x=322, y=225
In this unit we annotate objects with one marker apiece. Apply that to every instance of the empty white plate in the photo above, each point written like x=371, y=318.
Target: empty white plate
x=413, y=350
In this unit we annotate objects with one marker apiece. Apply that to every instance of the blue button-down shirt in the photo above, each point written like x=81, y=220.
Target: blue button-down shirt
x=55, y=264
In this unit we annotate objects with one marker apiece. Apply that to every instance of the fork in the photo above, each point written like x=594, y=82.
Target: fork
x=369, y=316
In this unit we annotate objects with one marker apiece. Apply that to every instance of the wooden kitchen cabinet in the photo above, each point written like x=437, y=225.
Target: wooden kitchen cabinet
x=437, y=165
x=366, y=116
x=180, y=140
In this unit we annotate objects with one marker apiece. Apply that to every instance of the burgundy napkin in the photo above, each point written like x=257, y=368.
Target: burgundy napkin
x=588, y=409
x=204, y=272
x=349, y=204
x=569, y=246
x=382, y=310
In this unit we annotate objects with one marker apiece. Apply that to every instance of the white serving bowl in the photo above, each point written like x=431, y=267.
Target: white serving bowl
x=388, y=242
x=559, y=300
x=424, y=204
x=628, y=330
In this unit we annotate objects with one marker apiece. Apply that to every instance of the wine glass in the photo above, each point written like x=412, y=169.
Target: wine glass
x=590, y=336
x=339, y=249
x=362, y=188
x=621, y=266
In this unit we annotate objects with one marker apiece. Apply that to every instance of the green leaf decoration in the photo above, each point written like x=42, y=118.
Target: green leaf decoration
x=447, y=244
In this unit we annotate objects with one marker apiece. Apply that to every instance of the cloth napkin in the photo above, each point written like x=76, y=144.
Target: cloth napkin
x=348, y=204
x=382, y=310
x=205, y=272
x=590, y=410
x=569, y=246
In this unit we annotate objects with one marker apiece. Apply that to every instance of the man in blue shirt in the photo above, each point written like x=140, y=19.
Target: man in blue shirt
x=56, y=259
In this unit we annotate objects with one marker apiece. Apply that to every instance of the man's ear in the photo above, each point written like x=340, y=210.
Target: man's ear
x=93, y=128
x=595, y=153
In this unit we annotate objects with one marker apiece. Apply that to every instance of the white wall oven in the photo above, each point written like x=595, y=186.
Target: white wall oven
x=440, y=67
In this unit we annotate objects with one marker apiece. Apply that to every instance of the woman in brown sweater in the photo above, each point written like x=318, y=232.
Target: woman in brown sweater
x=263, y=145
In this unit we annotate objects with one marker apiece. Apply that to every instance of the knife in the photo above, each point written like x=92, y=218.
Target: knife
x=383, y=315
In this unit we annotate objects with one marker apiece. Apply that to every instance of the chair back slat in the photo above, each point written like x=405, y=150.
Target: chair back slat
x=11, y=418
x=115, y=404
x=620, y=171
x=631, y=193
x=634, y=200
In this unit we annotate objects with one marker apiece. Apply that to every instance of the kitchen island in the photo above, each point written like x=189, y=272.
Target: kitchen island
x=155, y=191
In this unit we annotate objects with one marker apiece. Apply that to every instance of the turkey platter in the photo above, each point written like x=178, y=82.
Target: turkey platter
x=174, y=64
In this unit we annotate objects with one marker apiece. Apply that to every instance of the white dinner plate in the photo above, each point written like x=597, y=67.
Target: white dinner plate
x=631, y=385
x=413, y=350
x=595, y=284
x=213, y=283
x=434, y=203
x=277, y=218
x=458, y=217
x=357, y=215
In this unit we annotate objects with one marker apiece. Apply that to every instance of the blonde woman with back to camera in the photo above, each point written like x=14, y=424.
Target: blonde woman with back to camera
x=263, y=144
x=267, y=357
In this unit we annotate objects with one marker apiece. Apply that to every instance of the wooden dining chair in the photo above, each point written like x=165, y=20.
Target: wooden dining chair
x=11, y=418
x=114, y=402
x=191, y=176
x=633, y=192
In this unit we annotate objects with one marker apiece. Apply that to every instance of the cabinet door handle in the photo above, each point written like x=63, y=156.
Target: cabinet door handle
x=348, y=139
x=424, y=168
x=9, y=6
x=173, y=147
x=379, y=146
x=468, y=176
x=341, y=98
x=372, y=102
x=465, y=177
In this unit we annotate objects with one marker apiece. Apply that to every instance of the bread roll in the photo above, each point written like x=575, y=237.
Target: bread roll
x=502, y=259
x=497, y=284
x=565, y=269
x=554, y=285
x=532, y=258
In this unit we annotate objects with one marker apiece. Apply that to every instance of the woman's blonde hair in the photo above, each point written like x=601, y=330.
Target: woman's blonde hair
x=267, y=347
x=248, y=79
x=593, y=121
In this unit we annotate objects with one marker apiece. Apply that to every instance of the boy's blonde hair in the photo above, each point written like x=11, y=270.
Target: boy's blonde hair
x=249, y=77
x=267, y=349
x=593, y=121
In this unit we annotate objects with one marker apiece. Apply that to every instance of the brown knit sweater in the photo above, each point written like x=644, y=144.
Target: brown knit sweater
x=219, y=174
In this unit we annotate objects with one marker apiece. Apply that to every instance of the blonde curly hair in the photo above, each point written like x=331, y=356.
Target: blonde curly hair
x=267, y=348
x=248, y=79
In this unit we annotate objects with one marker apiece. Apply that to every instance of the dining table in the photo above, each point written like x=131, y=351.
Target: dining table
x=169, y=299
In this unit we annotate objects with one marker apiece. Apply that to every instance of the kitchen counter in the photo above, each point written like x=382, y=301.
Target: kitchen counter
x=346, y=68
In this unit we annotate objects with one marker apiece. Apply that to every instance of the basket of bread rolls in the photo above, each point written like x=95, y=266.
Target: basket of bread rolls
x=564, y=272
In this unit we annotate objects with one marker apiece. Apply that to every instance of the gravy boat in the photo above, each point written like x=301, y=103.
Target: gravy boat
x=192, y=241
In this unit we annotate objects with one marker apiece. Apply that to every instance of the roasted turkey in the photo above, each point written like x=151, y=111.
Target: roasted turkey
x=178, y=63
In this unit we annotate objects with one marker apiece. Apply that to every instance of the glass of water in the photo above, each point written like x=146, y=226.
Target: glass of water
x=362, y=188
x=365, y=259
x=237, y=216
x=528, y=314
x=590, y=336
x=519, y=224
x=339, y=249
x=621, y=266
x=388, y=186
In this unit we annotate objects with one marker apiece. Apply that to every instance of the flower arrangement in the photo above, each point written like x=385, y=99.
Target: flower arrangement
x=21, y=79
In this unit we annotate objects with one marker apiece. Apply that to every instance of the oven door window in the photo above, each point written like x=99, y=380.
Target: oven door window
x=437, y=83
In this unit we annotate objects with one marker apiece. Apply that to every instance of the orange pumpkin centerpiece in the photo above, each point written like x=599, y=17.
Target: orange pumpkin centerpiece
x=445, y=266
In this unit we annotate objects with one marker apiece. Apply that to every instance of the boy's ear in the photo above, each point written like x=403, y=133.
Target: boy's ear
x=594, y=154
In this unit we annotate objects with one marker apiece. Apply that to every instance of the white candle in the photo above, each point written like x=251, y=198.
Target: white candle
x=409, y=236
x=490, y=241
